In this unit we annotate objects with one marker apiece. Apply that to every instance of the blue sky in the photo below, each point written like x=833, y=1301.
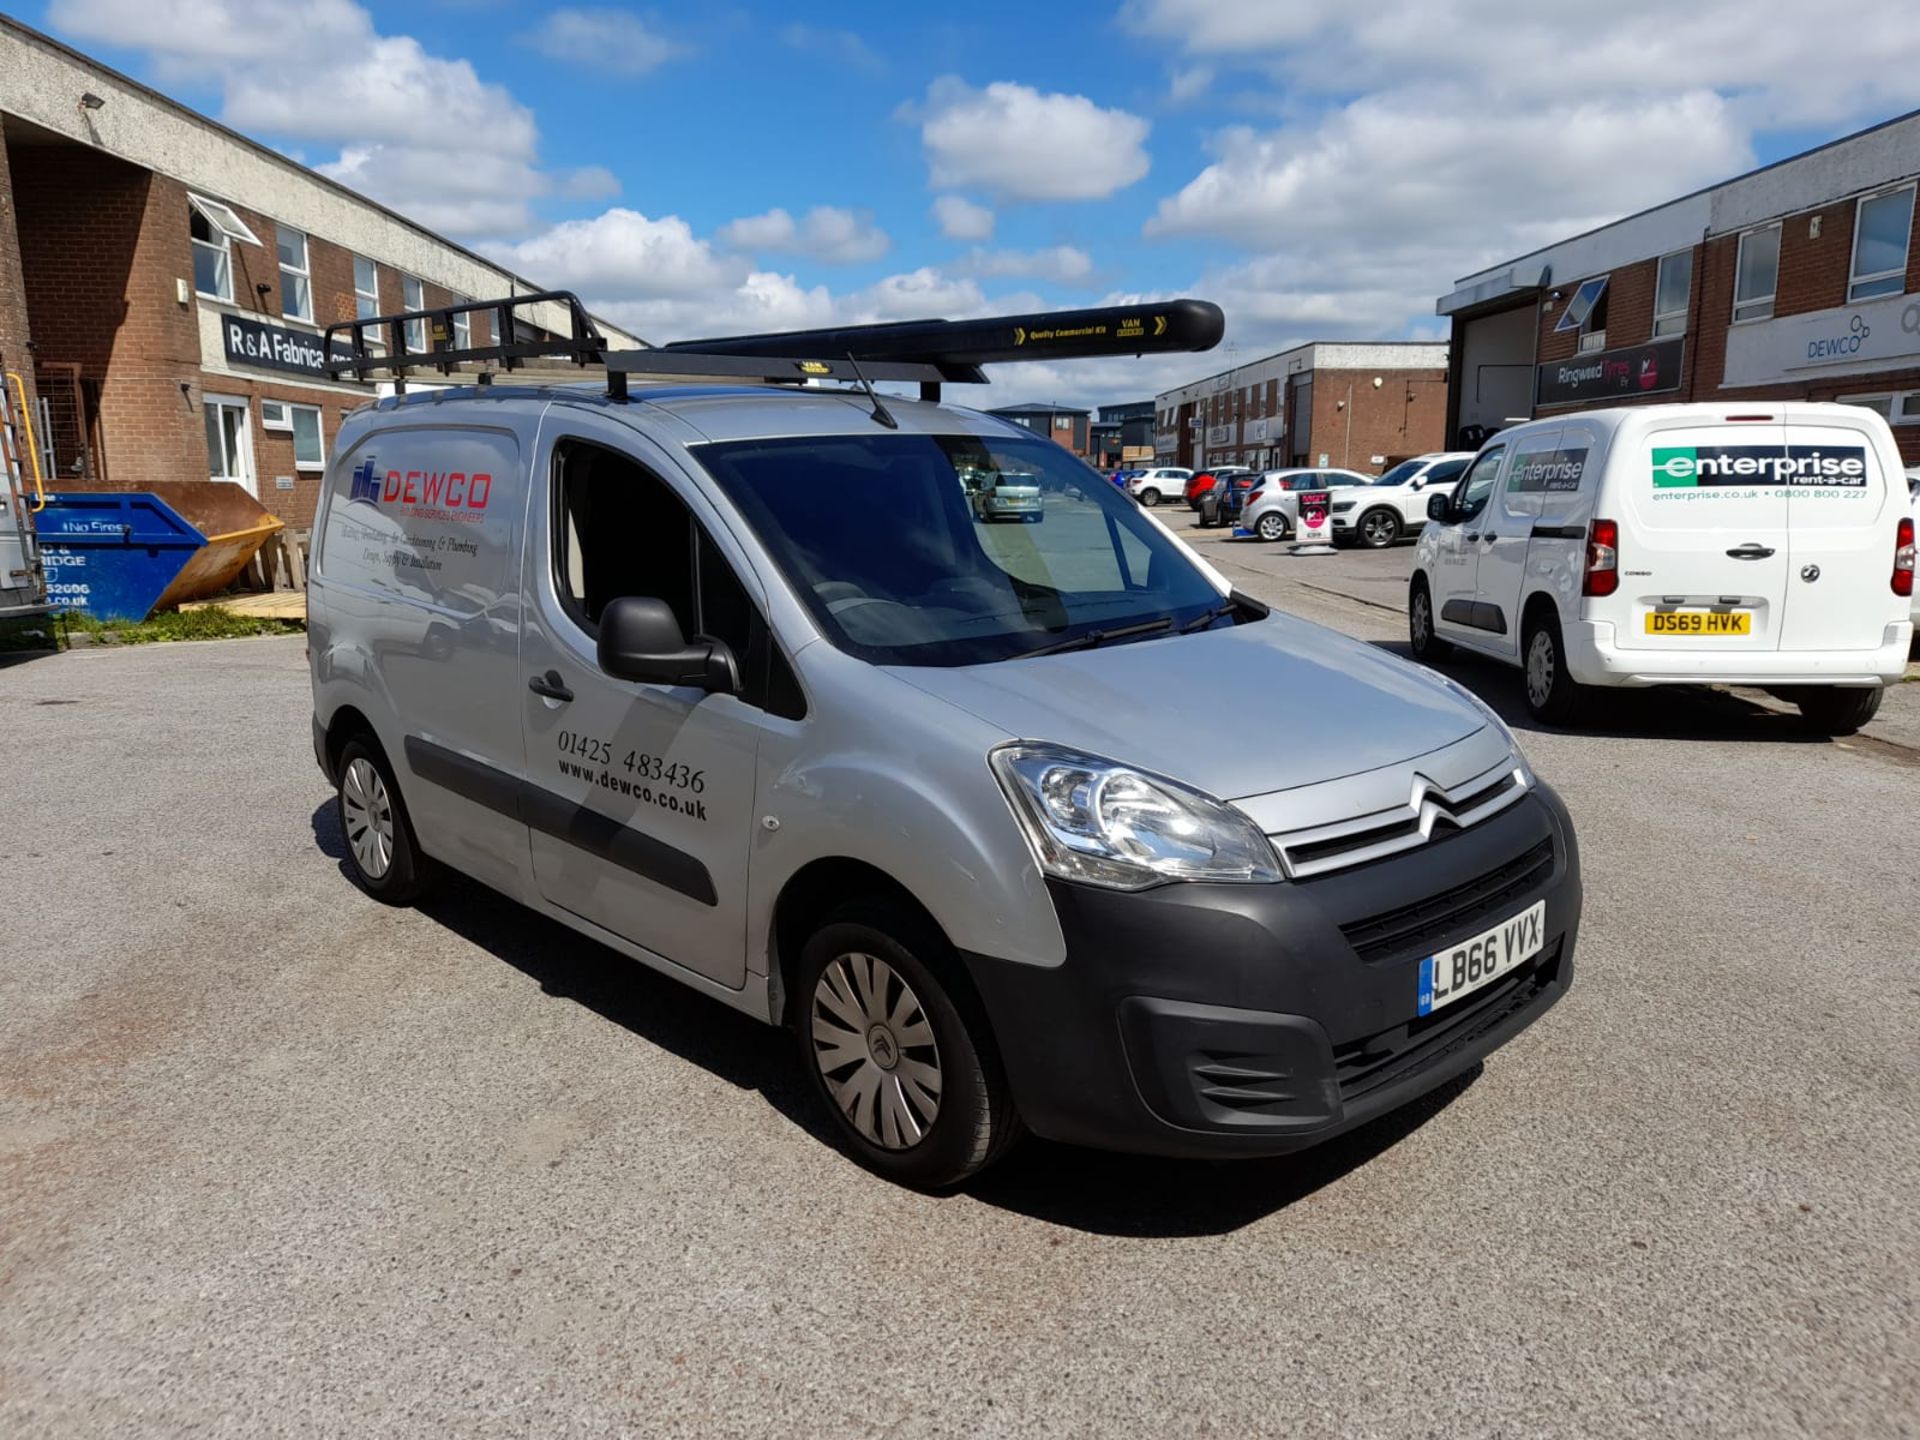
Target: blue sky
x=1322, y=170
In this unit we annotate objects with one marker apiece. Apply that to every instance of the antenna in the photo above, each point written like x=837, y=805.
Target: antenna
x=880, y=411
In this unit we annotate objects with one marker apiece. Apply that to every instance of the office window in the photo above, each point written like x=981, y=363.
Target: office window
x=366, y=288
x=214, y=228
x=462, y=326
x=1672, y=293
x=229, y=444
x=413, y=296
x=1900, y=408
x=1580, y=308
x=1756, y=274
x=296, y=285
x=303, y=422
x=1882, y=225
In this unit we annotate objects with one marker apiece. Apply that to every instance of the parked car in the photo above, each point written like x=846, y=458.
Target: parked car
x=1150, y=487
x=1747, y=544
x=1913, y=489
x=1221, y=505
x=1009, y=495
x=1203, y=481
x=1122, y=476
x=1272, y=508
x=740, y=688
x=1395, y=505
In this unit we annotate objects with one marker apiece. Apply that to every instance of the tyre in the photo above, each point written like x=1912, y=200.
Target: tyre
x=1272, y=526
x=1427, y=645
x=382, y=854
x=1150, y=497
x=1553, y=695
x=1836, y=709
x=1378, y=529
x=902, y=1059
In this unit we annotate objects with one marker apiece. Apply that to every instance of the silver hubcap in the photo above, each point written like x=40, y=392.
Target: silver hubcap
x=1271, y=527
x=876, y=1051
x=1149, y=497
x=1422, y=622
x=368, y=812
x=1540, y=668
x=1379, y=528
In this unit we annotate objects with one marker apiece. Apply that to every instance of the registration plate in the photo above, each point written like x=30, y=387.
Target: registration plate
x=1474, y=963
x=1699, y=622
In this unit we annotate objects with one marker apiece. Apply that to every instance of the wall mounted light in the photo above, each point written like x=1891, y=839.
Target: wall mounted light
x=91, y=101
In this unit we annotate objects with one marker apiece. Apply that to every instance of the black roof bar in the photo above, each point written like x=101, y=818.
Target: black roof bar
x=926, y=351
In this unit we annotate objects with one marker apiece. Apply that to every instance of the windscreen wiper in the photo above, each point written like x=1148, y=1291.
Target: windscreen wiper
x=1235, y=602
x=1087, y=639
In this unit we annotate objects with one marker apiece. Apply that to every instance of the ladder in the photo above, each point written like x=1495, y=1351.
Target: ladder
x=22, y=578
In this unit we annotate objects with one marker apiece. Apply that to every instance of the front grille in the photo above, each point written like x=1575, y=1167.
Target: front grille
x=1428, y=925
x=1361, y=1066
x=1428, y=814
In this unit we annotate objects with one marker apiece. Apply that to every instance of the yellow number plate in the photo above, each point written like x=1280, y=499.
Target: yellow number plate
x=1700, y=622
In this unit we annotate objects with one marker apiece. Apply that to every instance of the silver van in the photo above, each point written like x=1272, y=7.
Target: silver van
x=734, y=679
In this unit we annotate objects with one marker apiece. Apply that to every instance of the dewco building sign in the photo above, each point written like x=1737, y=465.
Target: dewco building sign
x=1881, y=334
x=273, y=347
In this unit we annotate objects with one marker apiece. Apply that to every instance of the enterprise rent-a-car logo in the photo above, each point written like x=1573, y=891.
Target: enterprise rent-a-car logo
x=1808, y=467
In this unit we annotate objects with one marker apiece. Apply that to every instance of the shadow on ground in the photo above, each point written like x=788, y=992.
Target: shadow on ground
x=1086, y=1190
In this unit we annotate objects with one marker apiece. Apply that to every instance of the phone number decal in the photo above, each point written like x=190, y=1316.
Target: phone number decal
x=636, y=763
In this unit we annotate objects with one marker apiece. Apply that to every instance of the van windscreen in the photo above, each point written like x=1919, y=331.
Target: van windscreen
x=907, y=551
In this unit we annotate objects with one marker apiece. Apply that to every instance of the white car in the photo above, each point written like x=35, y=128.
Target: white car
x=1749, y=544
x=1150, y=487
x=1395, y=505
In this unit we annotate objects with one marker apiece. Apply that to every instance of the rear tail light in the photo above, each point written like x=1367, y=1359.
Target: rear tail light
x=1903, y=557
x=1253, y=495
x=1603, y=559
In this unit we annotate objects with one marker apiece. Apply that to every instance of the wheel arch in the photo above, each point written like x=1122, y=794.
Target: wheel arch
x=815, y=891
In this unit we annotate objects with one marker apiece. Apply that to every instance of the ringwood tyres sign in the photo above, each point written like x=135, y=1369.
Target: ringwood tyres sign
x=274, y=347
x=1635, y=370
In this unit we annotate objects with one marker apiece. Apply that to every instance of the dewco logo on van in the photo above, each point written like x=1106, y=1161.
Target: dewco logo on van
x=1818, y=467
x=429, y=494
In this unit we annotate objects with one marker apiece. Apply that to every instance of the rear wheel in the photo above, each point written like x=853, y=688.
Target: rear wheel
x=382, y=854
x=1553, y=695
x=1150, y=497
x=903, y=1060
x=1427, y=644
x=1272, y=526
x=1838, y=710
x=1378, y=529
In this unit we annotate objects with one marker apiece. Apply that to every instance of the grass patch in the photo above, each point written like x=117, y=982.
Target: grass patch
x=215, y=622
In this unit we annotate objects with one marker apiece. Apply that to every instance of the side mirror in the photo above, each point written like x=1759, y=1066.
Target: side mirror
x=640, y=640
x=1439, y=507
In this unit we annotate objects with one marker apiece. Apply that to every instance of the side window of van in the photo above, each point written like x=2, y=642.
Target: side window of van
x=1474, y=490
x=620, y=530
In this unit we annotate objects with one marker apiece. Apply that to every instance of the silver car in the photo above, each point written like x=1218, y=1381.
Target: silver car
x=1009, y=495
x=736, y=682
x=1272, y=510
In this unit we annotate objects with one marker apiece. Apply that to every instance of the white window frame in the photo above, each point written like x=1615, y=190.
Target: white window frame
x=1901, y=407
x=278, y=415
x=304, y=270
x=413, y=296
x=462, y=325
x=249, y=479
x=229, y=227
x=1854, y=279
x=1662, y=317
x=372, y=297
x=1754, y=301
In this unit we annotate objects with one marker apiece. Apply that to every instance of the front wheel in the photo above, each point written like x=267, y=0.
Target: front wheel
x=904, y=1063
x=1149, y=497
x=1272, y=527
x=1427, y=645
x=1553, y=695
x=1378, y=529
x=1836, y=709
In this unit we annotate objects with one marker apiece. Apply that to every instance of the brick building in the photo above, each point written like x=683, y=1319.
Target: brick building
x=1061, y=423
x=165, y=283
x=1798, y=281
x=1352, y=406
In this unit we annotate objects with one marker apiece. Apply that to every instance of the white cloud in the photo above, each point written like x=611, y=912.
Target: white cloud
x=589, y=182
x=622, y=254
x=1020, y=144
x=615, y=41
x=1061, y=264
x=960, y=219
x=843, y=47
x=1189, y=83
x=825, y=233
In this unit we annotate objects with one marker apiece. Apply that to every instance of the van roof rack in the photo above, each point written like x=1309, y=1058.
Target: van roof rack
x=927, y=351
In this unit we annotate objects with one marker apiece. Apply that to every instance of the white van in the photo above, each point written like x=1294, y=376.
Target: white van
x=1753, y=543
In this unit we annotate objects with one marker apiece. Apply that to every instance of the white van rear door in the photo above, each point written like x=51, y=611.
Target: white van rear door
x=1841, y=522
x=1703, y=540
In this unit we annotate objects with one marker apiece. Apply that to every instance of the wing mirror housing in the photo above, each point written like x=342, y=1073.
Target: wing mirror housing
x=1440, y=507
x=640, y=640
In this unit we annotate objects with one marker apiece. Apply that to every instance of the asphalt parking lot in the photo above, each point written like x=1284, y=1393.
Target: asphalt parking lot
x=275, y=1160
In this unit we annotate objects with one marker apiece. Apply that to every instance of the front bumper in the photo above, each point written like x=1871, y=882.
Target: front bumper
x=1260, y=1019
x=1595, y=657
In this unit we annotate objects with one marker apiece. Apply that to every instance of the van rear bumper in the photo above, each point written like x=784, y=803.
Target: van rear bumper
x=1595, y=658
x=1223, y=1020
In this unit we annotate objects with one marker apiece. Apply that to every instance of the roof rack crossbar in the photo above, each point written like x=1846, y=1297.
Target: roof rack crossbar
x=929, y=352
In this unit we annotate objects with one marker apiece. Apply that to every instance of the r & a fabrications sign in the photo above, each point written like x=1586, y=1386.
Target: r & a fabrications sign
x=1636, y=370
x=274, y=347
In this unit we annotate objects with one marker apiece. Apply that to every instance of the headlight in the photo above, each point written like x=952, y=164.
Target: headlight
x=1100, y=822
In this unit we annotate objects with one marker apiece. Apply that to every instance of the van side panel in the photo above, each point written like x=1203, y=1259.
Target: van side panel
x=1842, y=519
x=418, y=572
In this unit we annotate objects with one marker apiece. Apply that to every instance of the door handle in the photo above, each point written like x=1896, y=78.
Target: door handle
x=550, y=685
x=1750, y=552
x=1470, y=538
